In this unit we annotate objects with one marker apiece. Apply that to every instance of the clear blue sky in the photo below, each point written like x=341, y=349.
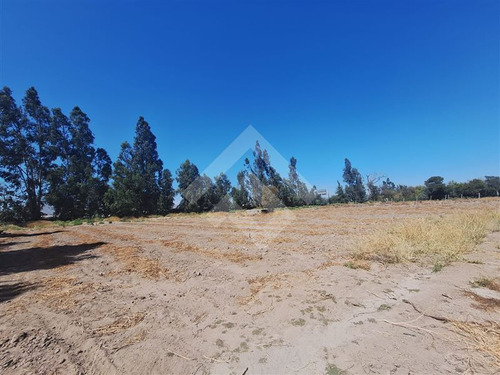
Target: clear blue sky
x=405, y=88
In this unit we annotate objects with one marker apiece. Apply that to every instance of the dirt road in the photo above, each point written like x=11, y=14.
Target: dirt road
x=226, y=292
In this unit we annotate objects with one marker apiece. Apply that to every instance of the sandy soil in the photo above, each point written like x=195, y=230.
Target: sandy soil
x=223, y=293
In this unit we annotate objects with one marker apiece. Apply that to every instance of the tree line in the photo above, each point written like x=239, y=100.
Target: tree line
x=381, y=188
x=49, y=159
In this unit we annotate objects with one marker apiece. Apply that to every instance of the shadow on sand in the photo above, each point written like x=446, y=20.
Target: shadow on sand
x=15, y=235
x=40, y=258
x=9, y=291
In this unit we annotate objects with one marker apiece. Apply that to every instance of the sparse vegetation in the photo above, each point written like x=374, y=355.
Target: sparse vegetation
x=384, y=307
x=298, y=322
x=439, y=240
x=357, y=263
x=238, y=298
x=333, y=370
x=484, y=336
x=438, y=266
x=483, y=303
x=485, y=282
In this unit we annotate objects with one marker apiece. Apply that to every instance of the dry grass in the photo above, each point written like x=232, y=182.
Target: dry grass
x=234, y=256
x=133, y=262
x=119, y=325
x=483, y=303
x=485, y=282
x=438, y=239
x=129, y=256
x=257, y=284
x=61, y=293
x=484, y=337
x=357, y=263
x=328, y=264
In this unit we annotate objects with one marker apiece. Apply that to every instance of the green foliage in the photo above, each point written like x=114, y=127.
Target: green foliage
x=26, y=151
x=438, y=266
x=333, y=370
x=373, y=190
x=79, y=182
x=489, y=187
x=199, y=193
x=49, y=158
x=190, y=187
x=384, y=307
x=436, y=189
x=76, y=222
x=258, y=174
x=12, y=208
x=241, y=194
x=147, y=167
x=167, y=193
x=340, y=195
x=260, y=185
x=475, y=188
x=492, y=186
x=140, y=185
x=355, y=190
x=122, y=199
x=222, y=190
x=388, y=190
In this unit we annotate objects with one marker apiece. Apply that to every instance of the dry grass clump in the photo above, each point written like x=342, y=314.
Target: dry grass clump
x=133, y=262
x=61, y=293
x=257, y=284
x=483, y=303
x=484, y=282
x=484, y=337
x=129, y=256
x=233, y=256
x=119, y=325
x=439, y=239
x=357, y=263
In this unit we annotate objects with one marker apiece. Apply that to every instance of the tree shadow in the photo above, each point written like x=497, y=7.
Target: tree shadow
x=9, y=291
x=39, y=258
x=7, y=244
x=14, y=235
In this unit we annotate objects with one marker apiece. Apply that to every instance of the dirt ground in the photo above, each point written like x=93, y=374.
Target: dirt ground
x=226, y=293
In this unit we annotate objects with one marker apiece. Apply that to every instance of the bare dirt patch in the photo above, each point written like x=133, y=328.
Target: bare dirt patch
x=281, y=293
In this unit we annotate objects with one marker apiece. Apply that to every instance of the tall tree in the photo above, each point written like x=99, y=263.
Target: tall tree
x=371, y=184
x=492, y=185
x=12, y=207
x=79, y=182
x=475, y=188
x=15, y=153
x=190, y=187
x=221, y=196
x=388, y=189
x=26, y=151
x=58, y=195
x=301, y=195
x=38, y=131
x=340, y=195
x=167, y=193
x=123, y=199
x=241, y=194
x=260, y=174
x=436, y=189
x=355, y=189
x=81, y=172
x=147, y=165
x=102, y=173
x=257, y=173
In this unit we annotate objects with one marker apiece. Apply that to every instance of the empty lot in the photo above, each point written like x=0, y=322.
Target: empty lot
x=225, y=292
